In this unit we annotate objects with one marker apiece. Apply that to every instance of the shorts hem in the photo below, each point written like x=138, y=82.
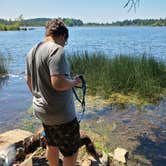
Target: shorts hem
x=71, y=154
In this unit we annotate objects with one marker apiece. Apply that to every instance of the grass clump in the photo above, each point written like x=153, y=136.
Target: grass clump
x=10, y=27
x=3, y=65
x=141, y=75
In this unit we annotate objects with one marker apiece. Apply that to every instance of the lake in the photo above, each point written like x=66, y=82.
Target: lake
x=15, y=97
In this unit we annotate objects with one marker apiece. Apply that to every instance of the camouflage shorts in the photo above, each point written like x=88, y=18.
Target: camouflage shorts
x=65, y=136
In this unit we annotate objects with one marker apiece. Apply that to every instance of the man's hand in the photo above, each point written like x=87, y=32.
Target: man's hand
x=77, y=80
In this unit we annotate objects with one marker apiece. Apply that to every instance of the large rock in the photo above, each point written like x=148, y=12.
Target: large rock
x=7, y=145
x=10, y=137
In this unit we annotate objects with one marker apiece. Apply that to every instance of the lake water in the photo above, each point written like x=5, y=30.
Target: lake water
x=15, y=97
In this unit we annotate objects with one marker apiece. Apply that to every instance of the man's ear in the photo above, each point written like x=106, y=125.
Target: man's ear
x=64, y=37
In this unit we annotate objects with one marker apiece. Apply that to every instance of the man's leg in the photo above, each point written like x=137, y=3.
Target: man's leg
x=70, y=161
x=52, y=154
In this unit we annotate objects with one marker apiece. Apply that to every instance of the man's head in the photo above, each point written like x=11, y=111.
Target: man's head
x=56, y=29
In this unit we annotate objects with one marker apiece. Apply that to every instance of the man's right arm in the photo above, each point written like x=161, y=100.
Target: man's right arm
x=61, y=83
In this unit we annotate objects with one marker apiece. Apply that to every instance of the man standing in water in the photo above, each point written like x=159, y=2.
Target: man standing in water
x=48, y=78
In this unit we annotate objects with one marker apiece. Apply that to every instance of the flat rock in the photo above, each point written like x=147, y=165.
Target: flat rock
x=12, y=136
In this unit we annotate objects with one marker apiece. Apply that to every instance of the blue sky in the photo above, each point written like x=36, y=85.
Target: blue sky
x=86, y=10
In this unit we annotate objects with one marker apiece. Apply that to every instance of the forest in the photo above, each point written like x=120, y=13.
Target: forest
x=18, y=23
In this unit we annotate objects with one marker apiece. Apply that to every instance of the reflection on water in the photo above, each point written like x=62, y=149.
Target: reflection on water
x=3, y=80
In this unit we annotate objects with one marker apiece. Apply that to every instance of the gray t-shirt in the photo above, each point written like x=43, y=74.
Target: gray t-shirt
x=50, y=106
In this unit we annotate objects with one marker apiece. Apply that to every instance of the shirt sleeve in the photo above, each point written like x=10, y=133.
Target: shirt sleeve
x=57, y=63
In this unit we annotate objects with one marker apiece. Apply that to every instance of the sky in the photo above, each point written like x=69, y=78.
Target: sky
x=100, y=11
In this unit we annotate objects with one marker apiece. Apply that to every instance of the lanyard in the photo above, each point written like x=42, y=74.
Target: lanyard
x=82, y=102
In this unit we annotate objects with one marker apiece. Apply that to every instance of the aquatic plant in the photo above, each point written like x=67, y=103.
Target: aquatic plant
x=3, y=71
x=142, y=75
x=3, y=65
x=14, y=26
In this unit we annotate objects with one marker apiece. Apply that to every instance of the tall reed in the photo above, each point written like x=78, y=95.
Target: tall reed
x=142, y=75
x=3, y=65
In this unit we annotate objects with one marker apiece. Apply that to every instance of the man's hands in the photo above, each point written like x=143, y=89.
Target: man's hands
x=77, y=80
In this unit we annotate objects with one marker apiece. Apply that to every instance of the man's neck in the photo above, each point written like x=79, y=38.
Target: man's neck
x=49, y=38
x=57, y=41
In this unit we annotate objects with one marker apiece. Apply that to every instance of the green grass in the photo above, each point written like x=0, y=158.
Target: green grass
x=141, y=75
x=3, y=65
x=11, y=27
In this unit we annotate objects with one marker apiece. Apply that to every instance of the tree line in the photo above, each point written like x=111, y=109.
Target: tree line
x=141, y=22
x=42, y=22
x=19, y=23
x=36, y=22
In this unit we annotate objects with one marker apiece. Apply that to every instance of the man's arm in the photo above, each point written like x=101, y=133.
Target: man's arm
x=29, y=83
x=61, y=83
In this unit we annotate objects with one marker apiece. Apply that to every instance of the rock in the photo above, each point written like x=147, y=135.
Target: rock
x=104, y=160
x=86, y=163
x=7, y=156
x=2, y=160
x=7, y=145
x=120, y=155
x=27, y=162
x=10, y=137
x=20, y=154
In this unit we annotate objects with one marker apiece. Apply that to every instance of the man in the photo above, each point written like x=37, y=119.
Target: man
x=48, y=78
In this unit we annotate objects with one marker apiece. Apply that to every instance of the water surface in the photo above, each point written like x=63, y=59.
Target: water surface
x=15, y=97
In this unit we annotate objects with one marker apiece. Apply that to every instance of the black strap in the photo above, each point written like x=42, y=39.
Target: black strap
x=34, y=62
x=82, y=102
x=34, y=51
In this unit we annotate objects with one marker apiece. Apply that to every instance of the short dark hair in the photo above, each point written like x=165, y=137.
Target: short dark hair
x=56, y=28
